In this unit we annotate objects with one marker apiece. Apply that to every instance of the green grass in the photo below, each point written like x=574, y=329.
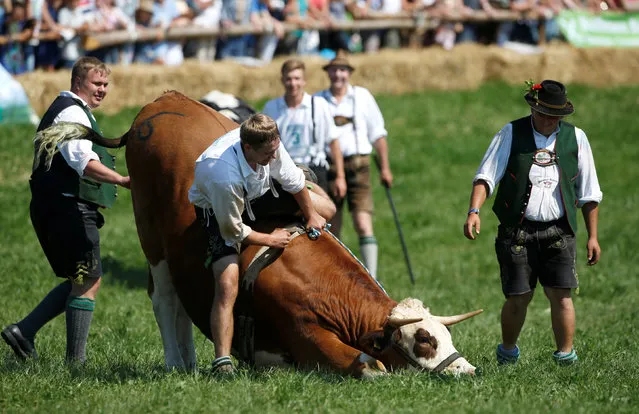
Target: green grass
x=437, y=140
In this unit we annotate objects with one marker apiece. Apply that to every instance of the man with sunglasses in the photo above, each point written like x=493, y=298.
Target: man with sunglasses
x=545, y=170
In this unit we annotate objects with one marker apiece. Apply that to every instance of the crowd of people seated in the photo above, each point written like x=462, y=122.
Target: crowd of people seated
x=50, y=34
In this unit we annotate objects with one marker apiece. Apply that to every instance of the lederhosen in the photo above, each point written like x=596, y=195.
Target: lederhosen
x=530, y=251
x=356, y=172
x=64, y=207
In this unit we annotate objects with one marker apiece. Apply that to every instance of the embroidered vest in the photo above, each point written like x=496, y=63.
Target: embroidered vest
x=61, y=178
x=514, y=189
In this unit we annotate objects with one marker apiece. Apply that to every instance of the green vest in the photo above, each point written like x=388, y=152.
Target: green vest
x=61, y=178
x=514, y=189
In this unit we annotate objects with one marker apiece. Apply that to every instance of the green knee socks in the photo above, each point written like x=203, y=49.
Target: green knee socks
x=79, y=314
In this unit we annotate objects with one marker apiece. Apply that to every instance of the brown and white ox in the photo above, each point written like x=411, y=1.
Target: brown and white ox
x=316, y=305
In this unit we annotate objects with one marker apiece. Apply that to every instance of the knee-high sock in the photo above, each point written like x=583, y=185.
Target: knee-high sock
x=79, y=315
x=368, y=248
x=51, y=306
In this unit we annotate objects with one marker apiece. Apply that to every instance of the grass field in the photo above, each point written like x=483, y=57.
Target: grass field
x=437, y=140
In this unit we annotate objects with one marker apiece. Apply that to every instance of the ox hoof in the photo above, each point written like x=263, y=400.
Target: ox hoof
x=372, y=368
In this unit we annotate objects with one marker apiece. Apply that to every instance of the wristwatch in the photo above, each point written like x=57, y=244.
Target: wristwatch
x=473, y=210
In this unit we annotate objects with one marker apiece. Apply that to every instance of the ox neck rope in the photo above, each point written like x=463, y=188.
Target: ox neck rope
x=438, y=369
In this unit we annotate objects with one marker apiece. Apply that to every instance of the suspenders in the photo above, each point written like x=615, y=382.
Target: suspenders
x=314, y=136
x=327, y=96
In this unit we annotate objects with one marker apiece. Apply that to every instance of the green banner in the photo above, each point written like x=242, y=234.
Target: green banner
x=584, y=29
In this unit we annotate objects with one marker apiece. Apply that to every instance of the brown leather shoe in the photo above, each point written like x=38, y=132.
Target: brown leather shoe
x=21, y=346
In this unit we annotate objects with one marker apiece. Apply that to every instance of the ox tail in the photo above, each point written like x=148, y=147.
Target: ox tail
x=47, y=141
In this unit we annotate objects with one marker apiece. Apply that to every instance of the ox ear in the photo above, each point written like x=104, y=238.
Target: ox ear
x=374, y=343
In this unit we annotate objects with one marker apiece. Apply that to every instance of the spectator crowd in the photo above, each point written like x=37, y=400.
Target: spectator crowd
x=51, y=34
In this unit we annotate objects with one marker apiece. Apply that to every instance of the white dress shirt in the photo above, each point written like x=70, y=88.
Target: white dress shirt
x=356, y=138
x=225, y=183
x=77, y=152
x=296, y=129
x=545, y=198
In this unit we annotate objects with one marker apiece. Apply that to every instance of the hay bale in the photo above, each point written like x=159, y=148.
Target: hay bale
x=466, y=67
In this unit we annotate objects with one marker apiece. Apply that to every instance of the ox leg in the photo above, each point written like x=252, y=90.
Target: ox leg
x=327, y=350
x=184, y=328
x=165, y=307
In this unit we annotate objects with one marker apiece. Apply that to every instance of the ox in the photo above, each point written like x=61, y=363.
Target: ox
x=315, y=305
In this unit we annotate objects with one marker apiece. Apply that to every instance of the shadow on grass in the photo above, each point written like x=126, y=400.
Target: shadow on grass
x=131, y=277
x=122, y=372
x=119, y=372
x=116, y=373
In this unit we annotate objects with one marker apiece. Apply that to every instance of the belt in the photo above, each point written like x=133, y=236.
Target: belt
x=348, y=157
x=542, y=225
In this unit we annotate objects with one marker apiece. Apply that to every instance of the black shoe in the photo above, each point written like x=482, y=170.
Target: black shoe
x=22, y=347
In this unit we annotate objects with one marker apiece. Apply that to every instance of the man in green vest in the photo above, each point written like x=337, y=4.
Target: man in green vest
x=545, y=171
x=64, y=212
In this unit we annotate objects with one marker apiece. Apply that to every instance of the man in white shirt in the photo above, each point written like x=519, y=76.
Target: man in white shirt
x=545, y=171
x=360, y=127
x=307, y=128
x=236, y=173
x=64, y=213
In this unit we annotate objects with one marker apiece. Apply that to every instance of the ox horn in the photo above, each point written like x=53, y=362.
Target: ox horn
x=399, y=322
x=451, y=320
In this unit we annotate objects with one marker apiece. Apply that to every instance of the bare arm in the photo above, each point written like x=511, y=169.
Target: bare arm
x=339, y=191
x=571, y=5
x=381, y=146
x=477, y=198
x=523, y=6
x=48, y=19
x=487, y=7
x=591, y=217
x=313, y=219
x=99, y=172
x=279, y=238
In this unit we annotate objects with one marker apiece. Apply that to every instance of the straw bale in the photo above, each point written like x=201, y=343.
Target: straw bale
x=467, y=66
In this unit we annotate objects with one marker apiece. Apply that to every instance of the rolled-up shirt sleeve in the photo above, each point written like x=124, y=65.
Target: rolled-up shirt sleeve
x=228, y=205
x=224, y=197
x=493, y=166
x=588, y=189
x=284, y=170
x=77, y=152
x=374, y=119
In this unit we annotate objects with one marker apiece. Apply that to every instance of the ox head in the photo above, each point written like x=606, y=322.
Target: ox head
x=412, y=337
